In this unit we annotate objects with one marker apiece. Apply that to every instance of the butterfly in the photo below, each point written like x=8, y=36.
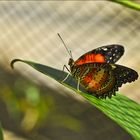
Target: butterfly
x=97, y=72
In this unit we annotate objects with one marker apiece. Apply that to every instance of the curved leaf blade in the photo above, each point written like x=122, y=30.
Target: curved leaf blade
x=119, y=108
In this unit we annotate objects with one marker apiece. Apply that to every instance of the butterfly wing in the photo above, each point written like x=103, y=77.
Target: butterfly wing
x=103, y=79
x=124, y=74
x=104, y=54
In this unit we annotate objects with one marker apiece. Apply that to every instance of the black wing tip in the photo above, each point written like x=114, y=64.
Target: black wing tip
x=119, y=47
x=13, y=62
x=113, y=45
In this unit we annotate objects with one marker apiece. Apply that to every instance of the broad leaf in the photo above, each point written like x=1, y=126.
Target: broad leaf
x=119, y=108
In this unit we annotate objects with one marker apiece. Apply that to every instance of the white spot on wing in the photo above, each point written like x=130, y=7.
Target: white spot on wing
x=105, y=49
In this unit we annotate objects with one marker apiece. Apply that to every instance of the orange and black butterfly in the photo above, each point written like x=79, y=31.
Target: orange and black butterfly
x=97, y=72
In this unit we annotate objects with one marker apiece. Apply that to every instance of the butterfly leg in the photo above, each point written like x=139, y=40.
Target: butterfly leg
x=65, y=78
x=78, y=84
x=66, y=68
x=67, y=74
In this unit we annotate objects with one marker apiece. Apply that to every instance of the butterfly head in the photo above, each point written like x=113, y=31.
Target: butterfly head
x=71, y=62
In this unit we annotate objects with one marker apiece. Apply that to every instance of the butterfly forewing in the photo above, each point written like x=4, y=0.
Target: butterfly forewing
x=104, y=54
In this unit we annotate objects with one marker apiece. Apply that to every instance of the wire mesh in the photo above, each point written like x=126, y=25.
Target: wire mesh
x=29, y=31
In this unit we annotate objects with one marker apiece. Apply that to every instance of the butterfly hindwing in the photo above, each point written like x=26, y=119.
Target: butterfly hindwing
x=124, y=74
x=104, y=54
x=121, y=76
x=103, y=79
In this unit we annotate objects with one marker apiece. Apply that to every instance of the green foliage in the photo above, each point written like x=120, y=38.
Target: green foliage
x=119, y=108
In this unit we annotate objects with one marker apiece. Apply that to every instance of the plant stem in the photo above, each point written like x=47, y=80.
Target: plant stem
x=128, y=3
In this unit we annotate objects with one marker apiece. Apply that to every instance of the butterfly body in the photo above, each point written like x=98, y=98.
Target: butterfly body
x=97, y=72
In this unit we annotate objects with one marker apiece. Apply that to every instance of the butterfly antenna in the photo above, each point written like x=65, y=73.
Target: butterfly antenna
x=69, y=51
x=71, y=54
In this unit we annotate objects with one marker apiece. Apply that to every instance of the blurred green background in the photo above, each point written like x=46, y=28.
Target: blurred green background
x=34, y=106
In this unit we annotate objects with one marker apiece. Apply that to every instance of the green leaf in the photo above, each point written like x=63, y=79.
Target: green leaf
x=1, y=134
x=129, y=3
x=119, y=108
